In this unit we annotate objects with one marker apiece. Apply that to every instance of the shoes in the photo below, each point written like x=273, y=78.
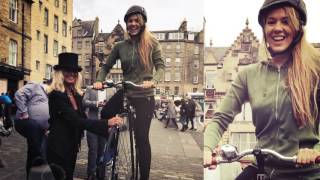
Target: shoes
x=91, y=177
x=191, y=128
x=166, y=127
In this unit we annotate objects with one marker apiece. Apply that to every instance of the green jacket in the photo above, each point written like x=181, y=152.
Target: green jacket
x=133, y=70
x=263, y=86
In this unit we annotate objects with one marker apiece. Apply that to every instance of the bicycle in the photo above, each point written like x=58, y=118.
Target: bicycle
x=121, y=141
x=229, y=154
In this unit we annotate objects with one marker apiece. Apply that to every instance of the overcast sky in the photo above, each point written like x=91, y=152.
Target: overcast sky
x=162, y=14
x=226, y=19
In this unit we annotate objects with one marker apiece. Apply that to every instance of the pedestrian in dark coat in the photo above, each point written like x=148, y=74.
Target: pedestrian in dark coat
x=67, y=118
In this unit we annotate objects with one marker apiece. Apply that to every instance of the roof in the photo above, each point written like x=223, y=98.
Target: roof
x=219, y=52
x=87, y=27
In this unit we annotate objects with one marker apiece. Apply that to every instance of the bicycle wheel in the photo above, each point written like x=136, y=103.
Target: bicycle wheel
x=123, y=163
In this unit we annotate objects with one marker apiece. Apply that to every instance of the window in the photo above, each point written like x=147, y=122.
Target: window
x=48, y=71
x=195, y=79
x=38, y=35
x=178, y=61
x=46, y=17
x=87, y=69
x=176, y=90
x=87, y=44
x=160, y=36
x=243, y=140
x=166, y=90
x=196, y=49
x=79, y=32
x=55, y=48
x=13, y=8
x=13, y=52
x=64, y=28
x=56, y=24
x=176, y=36
x=168, y=46
x=56, y=3
x=157, y=90
x=168, y=62
x=45, y=44
x=190, y=37
x=245, y=46
x=177, y=76
x=64, y=49
x=37, y=65
x=88, y=57
x=79, y=44
x=196, y=64
x=194, y=90
x=64, y=7
x=167, y=76
x=178, y=48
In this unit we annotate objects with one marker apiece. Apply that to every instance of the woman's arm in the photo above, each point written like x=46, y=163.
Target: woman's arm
x=112, y=59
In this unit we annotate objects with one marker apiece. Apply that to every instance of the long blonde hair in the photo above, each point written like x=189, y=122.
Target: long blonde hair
x=58, y=83
x=303, y=74
x=147, y=41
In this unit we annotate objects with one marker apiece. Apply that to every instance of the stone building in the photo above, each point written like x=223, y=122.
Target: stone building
x=83, y=37
x=51, y=35
x=183, y=55
x=15, y=39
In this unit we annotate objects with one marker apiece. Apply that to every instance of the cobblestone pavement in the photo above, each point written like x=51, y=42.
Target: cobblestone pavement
x=175, y=155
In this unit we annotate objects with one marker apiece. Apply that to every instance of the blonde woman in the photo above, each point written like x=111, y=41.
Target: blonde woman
x=67, y=119
x=139, y=54
x=283, y=94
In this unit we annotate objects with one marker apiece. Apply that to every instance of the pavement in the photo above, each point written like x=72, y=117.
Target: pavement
x=175, y=155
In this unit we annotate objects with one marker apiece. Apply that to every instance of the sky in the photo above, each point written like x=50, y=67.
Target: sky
x=225, y=20
x=162, y=14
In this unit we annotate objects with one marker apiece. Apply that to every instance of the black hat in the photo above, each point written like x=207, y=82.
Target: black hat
x=299, y=5
x=68, y=61
x=136, y=10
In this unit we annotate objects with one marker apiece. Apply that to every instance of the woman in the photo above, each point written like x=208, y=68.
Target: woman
x=139, y=54
x=283, y=94
x=67, y=119
x=172, y=114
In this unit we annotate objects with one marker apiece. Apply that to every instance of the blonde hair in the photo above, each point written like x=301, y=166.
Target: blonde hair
x=147, y=40
x=303, y=74
x=58, y=83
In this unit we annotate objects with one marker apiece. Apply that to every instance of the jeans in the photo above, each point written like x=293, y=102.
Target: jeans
x=36, y=140
x=95, y=151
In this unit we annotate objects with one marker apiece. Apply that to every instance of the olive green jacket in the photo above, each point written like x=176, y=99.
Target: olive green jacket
x=133, y=70
x=263, y=86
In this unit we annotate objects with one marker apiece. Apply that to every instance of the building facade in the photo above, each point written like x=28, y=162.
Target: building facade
x=51, y=34
x=183, y=53
x=83, y=36
x=15, y=41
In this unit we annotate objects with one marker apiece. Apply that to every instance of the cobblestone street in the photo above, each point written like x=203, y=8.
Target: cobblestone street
x=175, y=155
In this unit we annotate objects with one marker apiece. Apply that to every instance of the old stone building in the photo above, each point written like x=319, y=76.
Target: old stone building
x=184, y=57
x=83, y=36
x=51, y=35
x=15, y=39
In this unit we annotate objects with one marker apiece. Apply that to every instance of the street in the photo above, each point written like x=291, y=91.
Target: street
x=175, y=155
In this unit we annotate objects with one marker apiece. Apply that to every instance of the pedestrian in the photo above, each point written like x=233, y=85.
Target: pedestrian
x=190, y=112
x=139, y=54
x=171, y=114
x=31, y=121
x=183, y=115
x=67, y=118
x=93, y=101
x=283, y=93
x=198, y=115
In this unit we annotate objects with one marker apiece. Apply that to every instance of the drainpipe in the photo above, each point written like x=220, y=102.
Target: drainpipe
x=23, y=42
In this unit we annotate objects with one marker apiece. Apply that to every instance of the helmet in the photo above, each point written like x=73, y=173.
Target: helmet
x=136, y=10
x=299, y=5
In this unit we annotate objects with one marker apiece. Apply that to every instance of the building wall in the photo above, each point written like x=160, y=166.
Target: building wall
x=38, y=25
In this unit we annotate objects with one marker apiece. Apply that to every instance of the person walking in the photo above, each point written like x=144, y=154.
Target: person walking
x=171, y=114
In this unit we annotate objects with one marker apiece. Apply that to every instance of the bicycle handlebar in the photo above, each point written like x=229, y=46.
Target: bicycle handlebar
x=111, y=84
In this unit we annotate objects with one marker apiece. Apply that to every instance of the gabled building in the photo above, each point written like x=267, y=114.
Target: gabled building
x=83, y=36
x=183, y=53
x=15, y=41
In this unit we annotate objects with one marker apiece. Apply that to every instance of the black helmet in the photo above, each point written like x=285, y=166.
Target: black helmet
x=136, y=10
x=299, y=5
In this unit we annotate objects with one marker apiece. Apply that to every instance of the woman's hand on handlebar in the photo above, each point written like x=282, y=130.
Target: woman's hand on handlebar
x=148, y=84
x=115, y=121
x=307, y=156
x=97, y=85
x=209, y=159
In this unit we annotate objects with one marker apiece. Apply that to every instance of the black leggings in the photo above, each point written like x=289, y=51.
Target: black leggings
x=144, y=107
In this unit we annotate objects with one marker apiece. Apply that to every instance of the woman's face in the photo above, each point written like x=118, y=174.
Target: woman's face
x=279, y=34
x=133, y=25
x=70, y=77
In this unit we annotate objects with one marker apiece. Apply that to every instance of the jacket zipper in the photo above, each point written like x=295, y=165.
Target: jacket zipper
x=277, y=116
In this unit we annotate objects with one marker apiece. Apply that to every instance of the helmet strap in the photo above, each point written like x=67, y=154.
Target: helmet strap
x=294, y=42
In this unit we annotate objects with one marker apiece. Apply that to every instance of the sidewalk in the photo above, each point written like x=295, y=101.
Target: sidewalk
x=175, y=155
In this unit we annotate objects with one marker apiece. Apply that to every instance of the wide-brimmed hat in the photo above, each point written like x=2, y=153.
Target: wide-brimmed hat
x=68, y=61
